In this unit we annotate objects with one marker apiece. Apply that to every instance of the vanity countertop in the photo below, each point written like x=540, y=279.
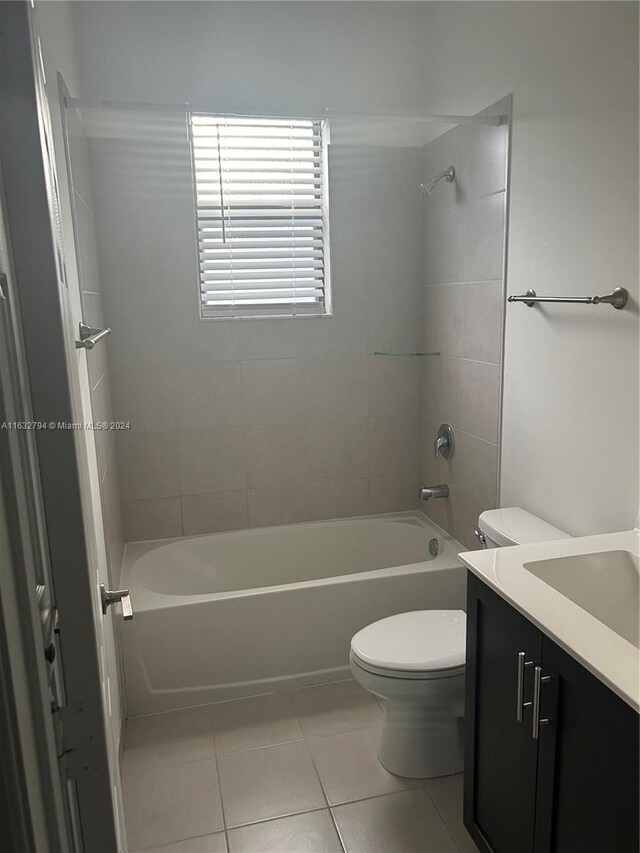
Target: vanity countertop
x=604, y=652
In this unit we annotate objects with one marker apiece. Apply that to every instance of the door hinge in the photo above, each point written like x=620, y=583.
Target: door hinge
x=76, y=746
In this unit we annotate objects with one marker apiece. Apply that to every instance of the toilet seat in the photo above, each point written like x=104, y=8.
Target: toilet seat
x=421, y=644
x=426, y=675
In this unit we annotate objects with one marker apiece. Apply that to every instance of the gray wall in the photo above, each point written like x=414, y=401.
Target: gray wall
x=462, y=316
x=238, y=423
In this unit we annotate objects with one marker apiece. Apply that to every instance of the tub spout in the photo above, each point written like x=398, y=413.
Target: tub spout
x=428, y=492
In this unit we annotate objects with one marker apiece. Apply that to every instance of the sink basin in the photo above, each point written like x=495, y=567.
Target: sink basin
x=605, y=584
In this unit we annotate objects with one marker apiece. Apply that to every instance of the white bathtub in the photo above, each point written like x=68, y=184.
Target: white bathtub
x=236, y=614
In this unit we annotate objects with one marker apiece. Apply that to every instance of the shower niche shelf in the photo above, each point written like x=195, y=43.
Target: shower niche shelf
x=406, y=354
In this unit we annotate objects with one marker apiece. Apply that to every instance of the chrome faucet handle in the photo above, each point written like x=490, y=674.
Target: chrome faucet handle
x=439, y=444
x=445, y=443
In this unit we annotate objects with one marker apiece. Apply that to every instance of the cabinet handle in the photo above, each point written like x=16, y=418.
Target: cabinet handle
x=520, y=703
x=538, y=680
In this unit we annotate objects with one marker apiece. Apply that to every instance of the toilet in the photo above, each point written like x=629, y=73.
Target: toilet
x=416, y=662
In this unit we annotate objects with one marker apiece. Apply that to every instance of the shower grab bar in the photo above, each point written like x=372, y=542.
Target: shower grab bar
x=617, y=298
x=89, y=336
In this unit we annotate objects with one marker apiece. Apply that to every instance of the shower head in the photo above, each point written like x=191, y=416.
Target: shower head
x=448, y=174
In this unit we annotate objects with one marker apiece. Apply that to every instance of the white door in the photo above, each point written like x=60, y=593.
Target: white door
x=57, y=378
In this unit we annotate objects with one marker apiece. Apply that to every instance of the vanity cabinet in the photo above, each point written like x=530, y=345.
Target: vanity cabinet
x=551, y=760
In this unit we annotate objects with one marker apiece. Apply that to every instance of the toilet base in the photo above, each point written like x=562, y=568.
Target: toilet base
x=421, y=743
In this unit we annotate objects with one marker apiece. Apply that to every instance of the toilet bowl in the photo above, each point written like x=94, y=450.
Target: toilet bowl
x=415, y=662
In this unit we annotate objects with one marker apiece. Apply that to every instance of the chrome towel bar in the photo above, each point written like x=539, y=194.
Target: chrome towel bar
x=618, y=298
x=89, y=336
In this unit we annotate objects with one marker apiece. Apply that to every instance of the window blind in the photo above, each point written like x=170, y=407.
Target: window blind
x=262, y=215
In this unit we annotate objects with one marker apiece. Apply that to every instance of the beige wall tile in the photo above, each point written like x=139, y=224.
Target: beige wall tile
x=448, y=241
x=480, y=388
x=393, y=235
x=394, y=385
x=335, y=387
x=442, y=319
x=337, y=449
x=266, y=405
x=152, y=519
x=394, y=493
x=345, y=333
x=441, y=389
x=338, y=499
x=428, y=243
x=212, y=460
x=280, y=505
x=484, y=239
x=274, y=391
x=393, y=445
x=435, y=471
x=442, y=512
x=214, y=513
x=472, y=472
x=476, y=478
x=193, y=339
x=463, y=245
x=147, y=464
x=208, y=394
x=394, y=317
x=482, y=323
x=145, y=395
x=281, y=338
x=277, y=455
x=465, y=521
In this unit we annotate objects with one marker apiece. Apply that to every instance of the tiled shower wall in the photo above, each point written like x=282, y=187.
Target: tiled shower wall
x=462, y=318
x=100, y=376
x=256, y=422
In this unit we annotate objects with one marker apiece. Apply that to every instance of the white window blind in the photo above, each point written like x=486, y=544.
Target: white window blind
x=262, y=215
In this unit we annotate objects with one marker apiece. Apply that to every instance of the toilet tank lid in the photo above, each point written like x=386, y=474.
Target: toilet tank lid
x=515, y=526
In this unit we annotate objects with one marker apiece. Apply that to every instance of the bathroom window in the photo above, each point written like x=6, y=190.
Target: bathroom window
x=262, y=215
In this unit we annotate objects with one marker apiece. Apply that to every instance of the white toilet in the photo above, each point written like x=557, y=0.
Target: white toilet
x=415, y=661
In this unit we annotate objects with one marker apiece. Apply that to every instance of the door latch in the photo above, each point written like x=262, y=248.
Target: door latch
x=112, y=596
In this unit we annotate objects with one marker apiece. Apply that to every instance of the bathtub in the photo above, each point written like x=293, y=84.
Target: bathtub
x=236, y=614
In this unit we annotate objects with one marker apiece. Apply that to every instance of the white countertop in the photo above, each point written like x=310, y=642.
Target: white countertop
x=606, y=654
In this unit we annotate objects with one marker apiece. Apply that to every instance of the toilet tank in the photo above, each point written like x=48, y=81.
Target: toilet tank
x=515, y=526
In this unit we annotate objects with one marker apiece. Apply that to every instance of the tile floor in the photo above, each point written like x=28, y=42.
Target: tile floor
x=289, y=772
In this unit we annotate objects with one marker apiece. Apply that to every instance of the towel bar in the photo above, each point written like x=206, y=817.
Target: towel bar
x=618, y=298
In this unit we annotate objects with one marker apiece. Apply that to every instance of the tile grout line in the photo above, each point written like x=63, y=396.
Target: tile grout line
x=155, y=848
x=326, y=798
x=442, y=817
x=275, y=817
x=215, y=758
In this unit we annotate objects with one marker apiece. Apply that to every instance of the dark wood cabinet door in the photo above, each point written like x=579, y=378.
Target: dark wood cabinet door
x=588, y=790
x=500, y=752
